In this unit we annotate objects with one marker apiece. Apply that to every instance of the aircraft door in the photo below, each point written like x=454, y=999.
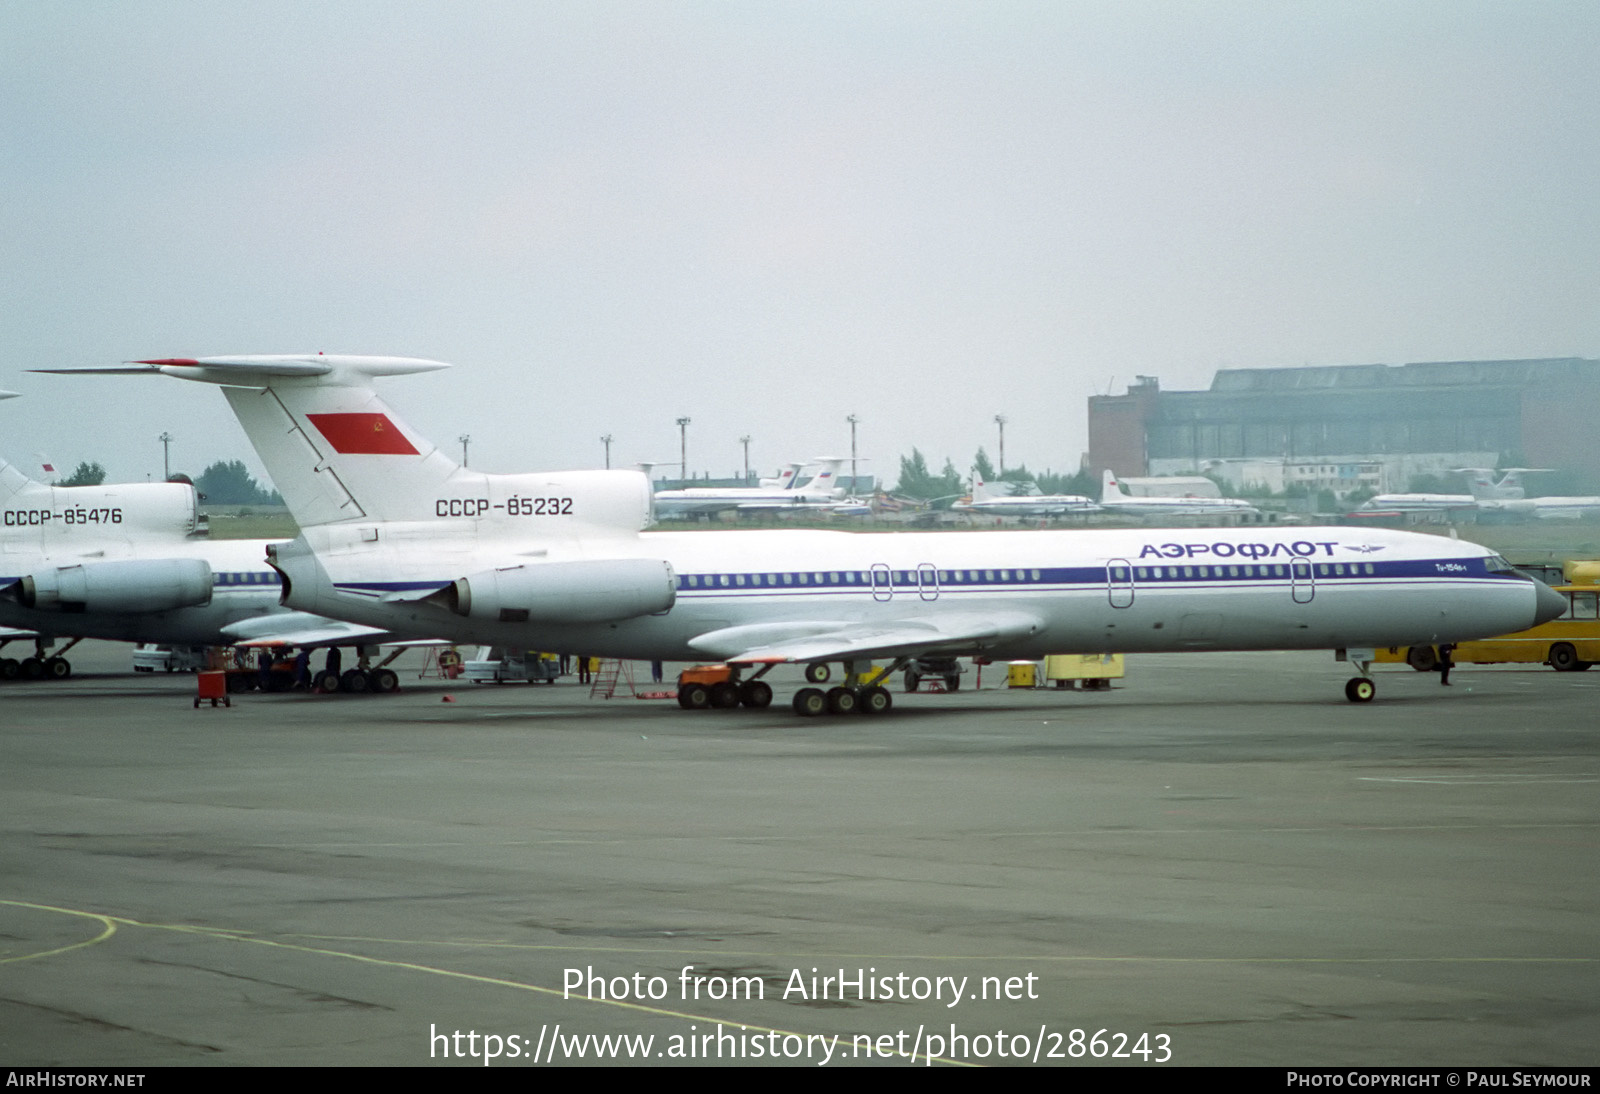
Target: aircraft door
x=882, y=583
x=927, y=582
x=1119, y=582
x=1302, y=584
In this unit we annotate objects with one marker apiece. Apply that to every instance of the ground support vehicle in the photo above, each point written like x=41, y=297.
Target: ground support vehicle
x=495, y=665
x=153, y=658
x=947, y=671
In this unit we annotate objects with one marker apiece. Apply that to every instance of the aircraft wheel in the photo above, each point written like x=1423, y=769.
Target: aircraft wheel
x=818, y=673
x=384, y=681
x=32, y=668
x=725, y=695
x=327, y=681
x=876, y=700
x=694, y=697
x=10, y=668
x=842, y=701
x=810, y=702
x=1422, y=658
x=755, y=694
x=354, y=681
x=238, y=683
x=1360, y=690
x=1563, y=658
x=952, y=683
x=912, y=680
x=58, y=668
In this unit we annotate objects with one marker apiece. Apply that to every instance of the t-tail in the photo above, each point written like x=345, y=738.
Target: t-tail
x=825, y=483
x=340, y=455
x=1481, y=484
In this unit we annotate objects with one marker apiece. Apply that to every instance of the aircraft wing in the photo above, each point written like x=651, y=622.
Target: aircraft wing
x=914, y=636
x=302, y=629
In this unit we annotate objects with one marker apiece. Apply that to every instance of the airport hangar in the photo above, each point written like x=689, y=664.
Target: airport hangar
x=1341, y=427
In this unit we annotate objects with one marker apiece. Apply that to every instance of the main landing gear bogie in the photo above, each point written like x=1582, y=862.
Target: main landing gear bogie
x=35, y=668
x=813, y=702
x=725, y=695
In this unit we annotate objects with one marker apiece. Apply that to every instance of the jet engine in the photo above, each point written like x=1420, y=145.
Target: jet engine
x=153, y=585
x=565, y=592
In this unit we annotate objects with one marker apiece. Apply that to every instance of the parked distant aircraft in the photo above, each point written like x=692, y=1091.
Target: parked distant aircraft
x=1114, y=499
x=1480, y=480
x=822, y=491
x=397, y=535
x=1017, y=501
x=1545, y=508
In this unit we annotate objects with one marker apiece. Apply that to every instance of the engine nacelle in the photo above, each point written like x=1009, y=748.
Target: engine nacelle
x=153, y=585
x=565, y=592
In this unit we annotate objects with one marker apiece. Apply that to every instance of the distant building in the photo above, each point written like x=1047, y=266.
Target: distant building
x=1347, y=427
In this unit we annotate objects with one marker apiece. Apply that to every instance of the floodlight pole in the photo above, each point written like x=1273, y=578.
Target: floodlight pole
x=852, y=419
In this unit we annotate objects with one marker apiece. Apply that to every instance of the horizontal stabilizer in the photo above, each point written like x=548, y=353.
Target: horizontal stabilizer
x=241, y=368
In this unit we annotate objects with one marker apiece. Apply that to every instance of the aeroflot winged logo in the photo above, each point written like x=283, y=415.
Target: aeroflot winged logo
x=362, y=434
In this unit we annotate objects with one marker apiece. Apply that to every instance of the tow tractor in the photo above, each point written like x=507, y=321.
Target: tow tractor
x=947, y=669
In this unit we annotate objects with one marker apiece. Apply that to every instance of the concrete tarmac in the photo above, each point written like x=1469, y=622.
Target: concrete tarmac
x=1220, y=862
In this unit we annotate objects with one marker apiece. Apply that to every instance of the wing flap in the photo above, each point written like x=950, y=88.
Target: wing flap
x=300, y=629
x=956, y=632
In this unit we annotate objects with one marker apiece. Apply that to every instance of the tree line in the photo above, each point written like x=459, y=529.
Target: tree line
x=226, y=482
x=918, y=481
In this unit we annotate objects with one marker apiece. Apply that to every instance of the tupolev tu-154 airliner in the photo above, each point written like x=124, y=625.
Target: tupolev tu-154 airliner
x=395, y=534
x=128, y=562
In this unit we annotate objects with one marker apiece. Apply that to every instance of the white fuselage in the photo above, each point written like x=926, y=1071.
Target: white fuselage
x=1037, y=505
x=1085, y=591
x=1549, y=508
x=1416, y=503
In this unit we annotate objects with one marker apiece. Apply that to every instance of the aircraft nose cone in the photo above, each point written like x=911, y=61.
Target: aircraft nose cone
x=1550, y=604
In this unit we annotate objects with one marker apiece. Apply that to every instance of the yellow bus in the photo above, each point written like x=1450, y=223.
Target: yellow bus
x=1568, y=644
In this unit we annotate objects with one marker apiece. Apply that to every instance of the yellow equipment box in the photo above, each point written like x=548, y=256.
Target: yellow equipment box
x=1096, y=670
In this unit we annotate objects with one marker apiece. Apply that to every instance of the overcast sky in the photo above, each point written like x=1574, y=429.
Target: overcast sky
x=767, y=216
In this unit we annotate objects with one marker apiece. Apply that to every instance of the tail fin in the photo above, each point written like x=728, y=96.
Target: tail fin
x=12, y=481
x=1510, y=486
x=980, y=489
x=1482, y=487
x=787, y=479
x=826, y=480
x=1111, y=489
x=327, y=439
x=338, y=453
